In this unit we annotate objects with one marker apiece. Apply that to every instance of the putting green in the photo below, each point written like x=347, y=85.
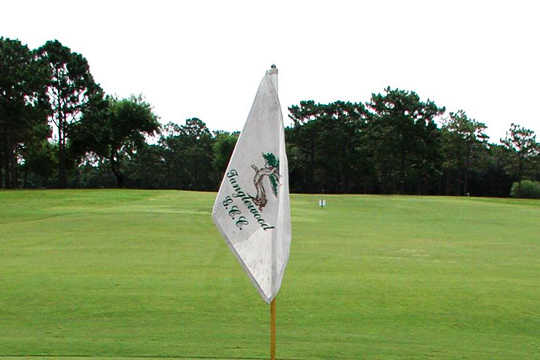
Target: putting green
x=130, y=273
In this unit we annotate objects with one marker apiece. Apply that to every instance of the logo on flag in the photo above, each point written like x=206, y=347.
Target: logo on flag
x=270, y=171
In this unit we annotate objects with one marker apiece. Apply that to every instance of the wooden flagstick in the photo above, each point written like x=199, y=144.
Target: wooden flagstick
x=273, y=329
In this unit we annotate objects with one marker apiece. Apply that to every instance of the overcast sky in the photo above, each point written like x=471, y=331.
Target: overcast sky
x=206, y=58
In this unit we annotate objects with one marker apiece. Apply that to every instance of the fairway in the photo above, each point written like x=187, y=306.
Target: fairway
x=145, y=274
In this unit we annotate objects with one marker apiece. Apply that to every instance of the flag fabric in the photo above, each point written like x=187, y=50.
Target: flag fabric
x=252, y=209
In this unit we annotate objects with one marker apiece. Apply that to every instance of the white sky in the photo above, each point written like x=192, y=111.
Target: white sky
x=205, y=58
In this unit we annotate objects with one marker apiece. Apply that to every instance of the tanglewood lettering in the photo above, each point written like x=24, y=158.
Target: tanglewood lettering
x=247, y=200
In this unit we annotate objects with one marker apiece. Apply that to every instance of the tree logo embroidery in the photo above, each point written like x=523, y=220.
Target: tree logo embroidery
x=270, y=170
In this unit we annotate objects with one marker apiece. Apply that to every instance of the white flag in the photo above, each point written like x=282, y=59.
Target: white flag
x=252, y=206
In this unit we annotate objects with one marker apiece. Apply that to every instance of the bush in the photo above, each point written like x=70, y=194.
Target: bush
x=529, y=189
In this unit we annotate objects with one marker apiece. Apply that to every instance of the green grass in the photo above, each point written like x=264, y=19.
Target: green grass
x=126, y=274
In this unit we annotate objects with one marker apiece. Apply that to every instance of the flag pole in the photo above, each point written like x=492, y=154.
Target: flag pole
x=273, y=303
x=273, y=329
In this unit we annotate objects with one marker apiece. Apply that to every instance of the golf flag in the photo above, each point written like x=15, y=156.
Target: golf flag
x=252, y=209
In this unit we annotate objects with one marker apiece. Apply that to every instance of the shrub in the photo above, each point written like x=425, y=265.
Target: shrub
x=529, y=189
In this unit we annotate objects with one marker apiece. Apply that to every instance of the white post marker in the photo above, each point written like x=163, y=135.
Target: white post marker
x=252, y=209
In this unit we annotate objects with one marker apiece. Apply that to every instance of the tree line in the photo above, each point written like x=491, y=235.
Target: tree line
x=393, y=144
x=59, y=129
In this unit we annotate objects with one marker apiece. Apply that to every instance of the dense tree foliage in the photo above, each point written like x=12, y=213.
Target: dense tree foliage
x=223, y=147
x=23, y=109
x=187, y=151
x=327, y=147
x=394, y=143
x=405, y=141
x=70, y=87
x=464, y=143
x=522, y=151
x=396, y=147
x=114, y=131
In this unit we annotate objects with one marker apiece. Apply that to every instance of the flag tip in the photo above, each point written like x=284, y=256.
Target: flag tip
x=273, y=69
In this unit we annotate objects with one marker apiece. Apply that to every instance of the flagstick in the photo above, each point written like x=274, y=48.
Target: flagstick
x=273, y=329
